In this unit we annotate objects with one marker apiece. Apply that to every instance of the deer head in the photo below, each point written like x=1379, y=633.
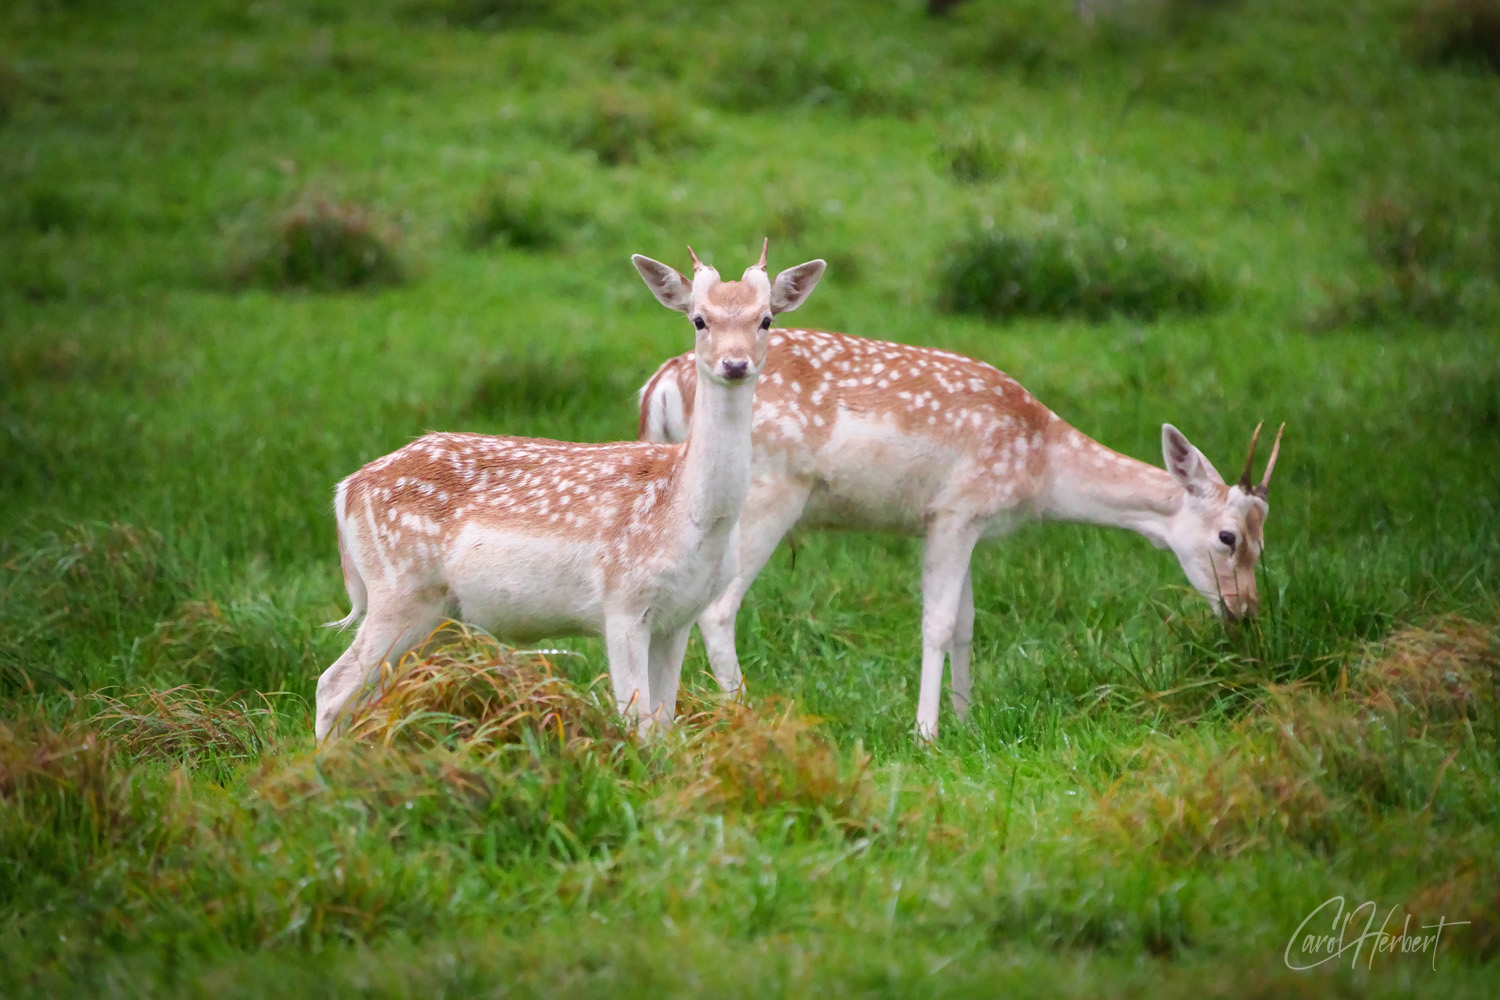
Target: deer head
x=731, y=317
x=1218, y=532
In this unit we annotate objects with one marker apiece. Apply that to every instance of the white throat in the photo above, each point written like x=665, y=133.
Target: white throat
x=716, y=471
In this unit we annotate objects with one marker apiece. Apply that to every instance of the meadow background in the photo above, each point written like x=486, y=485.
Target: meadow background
x=246, y=247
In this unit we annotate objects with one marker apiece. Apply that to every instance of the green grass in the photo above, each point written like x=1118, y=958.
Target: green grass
x=1146, y=803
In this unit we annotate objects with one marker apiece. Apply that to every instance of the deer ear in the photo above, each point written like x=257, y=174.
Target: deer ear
x=667, y=284
x=792, y=286
x=1187, y=464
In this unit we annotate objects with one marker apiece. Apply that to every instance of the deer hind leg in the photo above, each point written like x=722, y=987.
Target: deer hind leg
x=385, y=634
x=771, y=509
x=945, y=566
x=960, y=647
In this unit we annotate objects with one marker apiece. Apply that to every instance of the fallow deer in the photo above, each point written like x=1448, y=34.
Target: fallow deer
x=868, y=435
x=530, y=538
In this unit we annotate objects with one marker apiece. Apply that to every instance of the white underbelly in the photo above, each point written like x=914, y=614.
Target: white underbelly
x=521, y=587
x=872, y=476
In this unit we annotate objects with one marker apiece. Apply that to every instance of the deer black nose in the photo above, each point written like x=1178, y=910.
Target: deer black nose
x=734, y=369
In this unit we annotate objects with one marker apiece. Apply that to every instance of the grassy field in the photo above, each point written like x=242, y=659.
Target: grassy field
x=245, y=248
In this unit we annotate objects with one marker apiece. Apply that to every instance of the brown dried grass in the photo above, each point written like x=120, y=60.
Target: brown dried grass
x=1469, y=895
x=36, y=759
x=63, y=802
x=1302, y=758
x=383, y=780
x=1202, y=799
x=186, y=723
x=739, y=759
x=1456, y=31
x=465, y=689
x=1442, y=672
x=321, y=244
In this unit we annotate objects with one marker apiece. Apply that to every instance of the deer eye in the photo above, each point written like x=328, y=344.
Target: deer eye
x=700, y=322
x=765, y=324
x=1227, y=537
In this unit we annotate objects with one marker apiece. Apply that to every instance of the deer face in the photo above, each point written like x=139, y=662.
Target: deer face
x=732, y=319
x=1218, y=540
x=1218, y=532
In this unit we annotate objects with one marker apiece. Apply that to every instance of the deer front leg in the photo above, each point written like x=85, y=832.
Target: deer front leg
x=665, y=668
x=627, y=643
x=771, y=509
x=945, y=566
x=959, y=649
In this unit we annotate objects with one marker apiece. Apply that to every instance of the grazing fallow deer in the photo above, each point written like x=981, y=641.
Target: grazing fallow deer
x=530, y=538
x=867, y=435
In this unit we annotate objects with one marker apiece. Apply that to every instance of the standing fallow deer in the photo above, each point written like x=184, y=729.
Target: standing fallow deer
x=874, y=436
x=530, y=538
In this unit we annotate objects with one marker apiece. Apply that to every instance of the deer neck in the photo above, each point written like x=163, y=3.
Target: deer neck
x=1089, y=483
x=716, y=467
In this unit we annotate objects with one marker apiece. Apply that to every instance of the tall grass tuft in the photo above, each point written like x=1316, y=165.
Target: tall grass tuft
x=64, y=804
x=1306, y=765
x=748, y=760
x=1443, y=672
x=624, y=127
x=528, y=391
x=496, y=801
x=102, y=580
x=1469, y=893
x=515, y=214
x=1044, y=40
x=1433, y=263
x=1456, y=31
x=186, y=724
x=1089, y=273
x=972, y=156
x=12, y=90
x=771, y=72
x=45, y=209
x=321, y=245
x=1403, y=715
x=241, y=644
x=470, y=741
x=1198, y=797
x=502, y=15
x=1089, y=904
x=466, y=690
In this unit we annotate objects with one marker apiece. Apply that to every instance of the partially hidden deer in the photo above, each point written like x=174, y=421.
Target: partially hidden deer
x=530, y=538
x=875, y=436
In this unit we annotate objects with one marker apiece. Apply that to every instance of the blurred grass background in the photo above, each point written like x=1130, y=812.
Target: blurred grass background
x=246, y=247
